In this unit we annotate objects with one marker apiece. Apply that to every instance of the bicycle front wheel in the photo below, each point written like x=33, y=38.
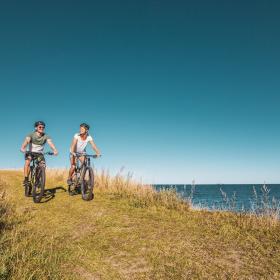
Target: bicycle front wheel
x=39, y=184
x=27, y=187
x=87, y=183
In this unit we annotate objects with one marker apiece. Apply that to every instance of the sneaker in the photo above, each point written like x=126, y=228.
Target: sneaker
x=69, y=182
x=26, y=183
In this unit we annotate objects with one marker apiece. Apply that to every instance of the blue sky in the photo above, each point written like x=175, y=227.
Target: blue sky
x=174, y=90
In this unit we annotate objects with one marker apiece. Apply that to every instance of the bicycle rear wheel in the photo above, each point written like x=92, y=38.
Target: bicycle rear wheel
x=39, y=184
x=74, y=188
x=87, y=183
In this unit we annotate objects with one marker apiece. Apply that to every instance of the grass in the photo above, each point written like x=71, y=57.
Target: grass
x=128, y=231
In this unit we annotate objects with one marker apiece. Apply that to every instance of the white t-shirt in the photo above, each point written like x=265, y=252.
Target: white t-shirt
x=81, y=144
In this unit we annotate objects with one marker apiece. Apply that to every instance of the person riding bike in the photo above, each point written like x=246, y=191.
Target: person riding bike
x=78, y=145
x=36, y=141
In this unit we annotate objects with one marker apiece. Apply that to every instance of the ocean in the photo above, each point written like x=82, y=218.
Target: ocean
x=242, y=197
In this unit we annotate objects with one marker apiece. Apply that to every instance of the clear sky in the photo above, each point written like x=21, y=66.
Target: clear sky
x=173, y=90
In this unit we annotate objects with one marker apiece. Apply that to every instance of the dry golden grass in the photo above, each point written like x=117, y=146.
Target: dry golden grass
x=128, y=231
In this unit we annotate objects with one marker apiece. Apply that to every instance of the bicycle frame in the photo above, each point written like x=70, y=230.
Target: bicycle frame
x=83, y=168
x=86, y=162
x=35, y=165
x=35, y=162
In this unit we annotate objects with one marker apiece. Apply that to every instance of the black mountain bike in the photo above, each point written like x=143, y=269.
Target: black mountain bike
x=83, y=177
x=37, y=176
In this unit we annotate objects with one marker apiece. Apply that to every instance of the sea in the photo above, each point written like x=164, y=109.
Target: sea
x=241, y=197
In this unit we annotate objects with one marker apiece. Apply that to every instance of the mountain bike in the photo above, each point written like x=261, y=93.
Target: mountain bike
x=83, y=177
x=36, y=176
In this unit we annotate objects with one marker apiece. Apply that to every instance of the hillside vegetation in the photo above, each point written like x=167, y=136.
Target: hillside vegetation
x=128, y=231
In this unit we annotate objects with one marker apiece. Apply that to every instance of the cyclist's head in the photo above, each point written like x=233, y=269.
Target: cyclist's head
x=85, y=125
x=39, y=126
x=84, y=128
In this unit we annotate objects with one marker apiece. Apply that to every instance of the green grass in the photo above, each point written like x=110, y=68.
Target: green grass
x=128, y=232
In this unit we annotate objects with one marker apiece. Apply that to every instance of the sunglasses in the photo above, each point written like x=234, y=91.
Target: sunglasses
x=41, y=127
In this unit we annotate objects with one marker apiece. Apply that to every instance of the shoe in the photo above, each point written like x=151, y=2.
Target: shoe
x=69, y=182
x=26, y=183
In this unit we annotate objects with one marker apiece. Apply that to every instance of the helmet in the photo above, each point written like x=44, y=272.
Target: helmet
x=39, y=123
x=85, y=125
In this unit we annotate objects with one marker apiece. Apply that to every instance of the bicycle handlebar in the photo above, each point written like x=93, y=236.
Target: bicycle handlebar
x=83, y=154
x=37, y=154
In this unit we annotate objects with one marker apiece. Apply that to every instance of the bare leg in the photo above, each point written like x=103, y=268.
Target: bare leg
x=71, y=171
x=27, y=167
x=72, y=168
x=82, y=159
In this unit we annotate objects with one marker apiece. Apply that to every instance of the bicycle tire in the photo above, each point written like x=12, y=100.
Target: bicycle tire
x=39, y=184
x=27, y=188
x=73, y=186
x=87, y=183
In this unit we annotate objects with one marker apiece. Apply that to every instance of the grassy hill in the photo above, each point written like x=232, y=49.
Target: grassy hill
x=128, y=232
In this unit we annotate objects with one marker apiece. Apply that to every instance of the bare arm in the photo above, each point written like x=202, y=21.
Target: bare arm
x=94, y=147
x=51, y=144
x=24, y=144
x=73, y=145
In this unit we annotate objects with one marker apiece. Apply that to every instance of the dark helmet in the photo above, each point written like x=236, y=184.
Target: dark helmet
x=39, y=123
x=85, y=125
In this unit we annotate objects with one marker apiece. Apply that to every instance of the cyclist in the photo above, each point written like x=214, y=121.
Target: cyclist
x=36, y=141
x=78, y=145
